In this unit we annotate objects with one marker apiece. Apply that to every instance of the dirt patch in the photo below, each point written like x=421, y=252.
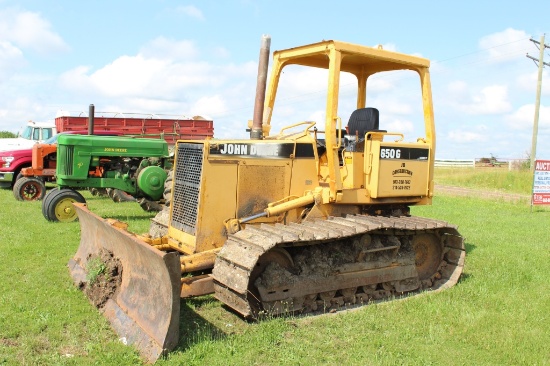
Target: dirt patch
x=104, y=276
x=8, y=342
x=469, y=192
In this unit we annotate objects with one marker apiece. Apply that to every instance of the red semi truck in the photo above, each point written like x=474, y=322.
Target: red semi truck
x=39, y=168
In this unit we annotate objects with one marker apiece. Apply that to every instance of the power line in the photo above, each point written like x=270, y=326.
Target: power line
x=479, y=51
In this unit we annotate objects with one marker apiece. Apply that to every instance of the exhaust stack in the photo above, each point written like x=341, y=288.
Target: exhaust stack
x=91, y=116
x=256, y=133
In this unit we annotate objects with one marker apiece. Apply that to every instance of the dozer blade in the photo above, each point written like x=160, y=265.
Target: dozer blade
x=144, y=309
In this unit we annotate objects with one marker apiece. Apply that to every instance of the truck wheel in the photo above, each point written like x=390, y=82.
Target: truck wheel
x=58, y=205
x=29, y=189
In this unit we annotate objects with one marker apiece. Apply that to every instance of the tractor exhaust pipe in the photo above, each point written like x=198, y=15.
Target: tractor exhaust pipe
x=256, y=133
x=91, y=113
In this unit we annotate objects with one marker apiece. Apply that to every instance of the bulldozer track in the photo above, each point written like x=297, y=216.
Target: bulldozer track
x=263, y=269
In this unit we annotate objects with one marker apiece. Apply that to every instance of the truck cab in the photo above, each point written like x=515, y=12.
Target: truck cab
x=33, y=133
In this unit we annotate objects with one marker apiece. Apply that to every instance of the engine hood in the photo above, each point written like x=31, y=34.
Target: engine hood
x=16, y=144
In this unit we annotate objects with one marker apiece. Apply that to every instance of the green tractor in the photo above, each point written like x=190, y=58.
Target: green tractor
x=136, y=166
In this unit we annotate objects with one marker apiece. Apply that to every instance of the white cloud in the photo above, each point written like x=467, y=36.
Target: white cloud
x=191, y=11
x=209, y=105
x=491, y=99
x=319, y=118
x=506, y=45
x=11, y=58
x=140, y=76
x=76, y=79
x=465, y=136
x=400, y=125
x=481, y=128
x=387, y=47
x=158, y=80
x=221, y=52
x=528, y=81
x=163, y=70
x=524, y=116
x=457, y=87
x=163, y=48
x=304, y=81
x=29, y=30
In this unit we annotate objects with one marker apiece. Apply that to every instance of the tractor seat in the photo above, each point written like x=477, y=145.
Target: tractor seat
x=363, y=120
x=360, y=122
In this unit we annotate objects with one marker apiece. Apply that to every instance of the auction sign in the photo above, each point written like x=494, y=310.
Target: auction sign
x=541, y=183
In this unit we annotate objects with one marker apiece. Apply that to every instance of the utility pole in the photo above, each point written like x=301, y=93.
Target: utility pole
x=540, y=61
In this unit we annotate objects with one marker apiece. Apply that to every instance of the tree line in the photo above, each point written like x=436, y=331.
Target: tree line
x=7, y=134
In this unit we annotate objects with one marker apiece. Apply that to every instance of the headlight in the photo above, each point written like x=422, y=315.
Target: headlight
x=6, y=160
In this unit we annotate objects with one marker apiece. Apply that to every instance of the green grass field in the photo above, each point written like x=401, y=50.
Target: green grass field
x=497, y=314
x=499, y=179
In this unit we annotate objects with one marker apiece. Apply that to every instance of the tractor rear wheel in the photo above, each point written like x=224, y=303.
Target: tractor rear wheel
x=167, y=194
x=29, y=189
x=58, y=205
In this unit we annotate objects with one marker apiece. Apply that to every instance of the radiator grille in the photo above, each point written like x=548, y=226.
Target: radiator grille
x=187, y=180
x=65, y=159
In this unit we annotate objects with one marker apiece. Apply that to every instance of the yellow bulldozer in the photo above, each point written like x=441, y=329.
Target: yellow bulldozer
x=306, y=220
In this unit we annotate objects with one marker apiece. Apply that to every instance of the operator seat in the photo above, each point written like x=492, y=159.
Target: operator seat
x=363, y=120
x=360, y=122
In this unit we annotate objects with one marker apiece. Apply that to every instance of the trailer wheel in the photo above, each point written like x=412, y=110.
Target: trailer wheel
x=58, y=205
x=29, y=189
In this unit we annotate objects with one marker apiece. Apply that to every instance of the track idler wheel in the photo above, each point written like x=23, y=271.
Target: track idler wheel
x=278, y=256
x=428, y=254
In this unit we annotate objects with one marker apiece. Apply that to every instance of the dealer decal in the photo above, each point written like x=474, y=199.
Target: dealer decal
x=401, y=179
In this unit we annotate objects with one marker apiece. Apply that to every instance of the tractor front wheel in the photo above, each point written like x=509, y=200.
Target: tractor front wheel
x=29, y=189
x=58, y=205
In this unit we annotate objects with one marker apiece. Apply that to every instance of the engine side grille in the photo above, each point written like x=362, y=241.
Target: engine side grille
x=187, y=182
x=65, y=160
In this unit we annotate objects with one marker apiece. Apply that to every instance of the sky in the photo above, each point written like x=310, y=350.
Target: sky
x=201, y=58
